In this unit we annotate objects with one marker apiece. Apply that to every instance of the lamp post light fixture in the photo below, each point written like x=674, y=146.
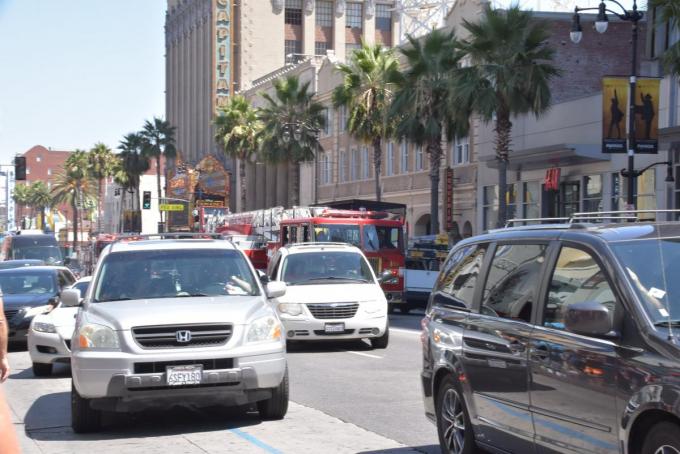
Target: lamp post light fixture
x=297, y=128
x=636, y=173
x=601, y=24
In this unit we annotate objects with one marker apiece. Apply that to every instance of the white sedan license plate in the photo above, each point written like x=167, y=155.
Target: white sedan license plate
x=184, y=375
x=334, y=327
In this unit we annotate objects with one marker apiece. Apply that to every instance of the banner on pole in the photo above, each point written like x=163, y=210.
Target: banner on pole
x=614, y=114
x=647, y=116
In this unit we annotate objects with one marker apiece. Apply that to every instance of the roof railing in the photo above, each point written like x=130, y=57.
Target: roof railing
x=510, y=222
x=170, y=236
x=620, y=215
x=319, y=243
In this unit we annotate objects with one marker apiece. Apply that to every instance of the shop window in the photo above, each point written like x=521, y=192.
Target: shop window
x=531, y=208
x=592, y=193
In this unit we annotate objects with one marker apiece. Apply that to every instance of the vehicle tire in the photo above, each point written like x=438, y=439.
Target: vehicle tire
x=84, y=418
x=42, y=369
x=453, y=423
x=276, y=406
x=382, y=341
x=390, y=308
x=664, y=437
x=405, y=308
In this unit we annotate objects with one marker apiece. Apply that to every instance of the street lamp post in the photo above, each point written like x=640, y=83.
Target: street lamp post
x=601, y=24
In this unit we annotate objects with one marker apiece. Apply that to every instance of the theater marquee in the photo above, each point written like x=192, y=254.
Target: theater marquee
x=222, y=54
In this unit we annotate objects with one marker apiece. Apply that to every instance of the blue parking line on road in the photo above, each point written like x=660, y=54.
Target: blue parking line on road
x=255, y=441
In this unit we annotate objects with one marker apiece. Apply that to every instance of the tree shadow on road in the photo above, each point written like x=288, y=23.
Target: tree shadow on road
x=429, y=449
x=49, y=419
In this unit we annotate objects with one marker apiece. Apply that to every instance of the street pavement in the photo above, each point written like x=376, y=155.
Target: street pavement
x=345, y=398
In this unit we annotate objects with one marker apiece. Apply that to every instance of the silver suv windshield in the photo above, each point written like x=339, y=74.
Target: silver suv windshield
x=325, y=267
x=652, y=266
x=174, y=273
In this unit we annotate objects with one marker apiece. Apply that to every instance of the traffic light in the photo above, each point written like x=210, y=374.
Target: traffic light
x=146, y=200
x=20, y=167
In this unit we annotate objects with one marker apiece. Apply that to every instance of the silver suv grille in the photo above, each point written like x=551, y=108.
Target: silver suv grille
x=334, y=310
x=173, y=336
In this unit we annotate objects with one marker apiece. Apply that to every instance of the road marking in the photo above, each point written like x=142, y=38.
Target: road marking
x=368, y=355
x=254, y=440
x=407, y=331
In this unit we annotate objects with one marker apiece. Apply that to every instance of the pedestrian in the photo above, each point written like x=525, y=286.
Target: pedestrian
x=8, y=439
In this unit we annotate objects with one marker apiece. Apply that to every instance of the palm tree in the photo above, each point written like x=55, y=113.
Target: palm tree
x=131, y=167
x=238, y=132
x=40, y=198
x=20, y=196
x=101, y=161
x=509, y=74
x=670, y=12
x=158, y=139
x=367, y=91
x=425, y=115
x=73, y=186
x=291, y=109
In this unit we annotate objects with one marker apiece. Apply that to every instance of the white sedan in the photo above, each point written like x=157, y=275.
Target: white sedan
x=49, y=337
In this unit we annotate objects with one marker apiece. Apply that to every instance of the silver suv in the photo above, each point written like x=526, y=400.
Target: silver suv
x=176, y=321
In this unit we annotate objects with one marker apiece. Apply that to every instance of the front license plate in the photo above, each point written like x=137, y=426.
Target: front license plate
x=184, y=375
x=334, y=327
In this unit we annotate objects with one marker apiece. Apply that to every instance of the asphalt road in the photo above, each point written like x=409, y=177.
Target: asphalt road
x=345, y=398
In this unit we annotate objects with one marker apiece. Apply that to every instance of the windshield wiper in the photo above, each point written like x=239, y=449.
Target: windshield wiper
x=672, y=323
x=192, y=294
x=336, y=278
x=114, y=299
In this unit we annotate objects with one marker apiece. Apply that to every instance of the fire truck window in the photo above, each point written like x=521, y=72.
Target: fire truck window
x=285, y=235
x=305, y=233
x=293, y=234
x=338, y=233
x=381, y=237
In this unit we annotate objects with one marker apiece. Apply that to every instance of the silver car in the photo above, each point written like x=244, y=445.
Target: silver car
x=170, y=321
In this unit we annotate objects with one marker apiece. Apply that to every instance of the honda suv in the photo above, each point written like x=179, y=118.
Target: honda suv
x=557, y=338
x=170, y=321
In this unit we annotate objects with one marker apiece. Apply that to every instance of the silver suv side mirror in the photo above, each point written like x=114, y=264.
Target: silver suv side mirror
x=70, y=297
x=275, y=289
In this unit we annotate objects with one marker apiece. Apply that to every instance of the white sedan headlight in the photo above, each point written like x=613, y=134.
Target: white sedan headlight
x=265, y=329
x=30, y=312
x=290, y=308
x=371, y=307
x=93, y=336
x=44, y=327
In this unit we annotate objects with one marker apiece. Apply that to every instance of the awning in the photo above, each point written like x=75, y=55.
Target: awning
x=566, y=154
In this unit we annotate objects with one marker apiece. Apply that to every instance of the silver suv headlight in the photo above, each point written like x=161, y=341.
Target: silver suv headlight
x=94, y=336
x=264, y=329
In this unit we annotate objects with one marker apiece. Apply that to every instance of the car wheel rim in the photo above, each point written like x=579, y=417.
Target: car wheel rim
x=453, y=422
x=665, y=449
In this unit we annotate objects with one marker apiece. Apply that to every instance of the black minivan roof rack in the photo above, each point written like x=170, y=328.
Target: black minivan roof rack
x=590, y=217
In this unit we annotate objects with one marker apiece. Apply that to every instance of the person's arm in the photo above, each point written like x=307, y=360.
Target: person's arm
x=4, y=331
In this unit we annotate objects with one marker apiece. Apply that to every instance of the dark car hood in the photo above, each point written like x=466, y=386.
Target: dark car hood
x=23, y=300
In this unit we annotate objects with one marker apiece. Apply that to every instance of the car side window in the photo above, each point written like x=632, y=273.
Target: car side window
x=577, y=278
x=455, y=286
x=512, y=281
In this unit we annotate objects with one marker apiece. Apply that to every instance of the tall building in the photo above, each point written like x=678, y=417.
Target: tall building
x=215, y=48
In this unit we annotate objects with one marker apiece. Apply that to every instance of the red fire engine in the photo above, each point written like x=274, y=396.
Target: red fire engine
x=380, y=235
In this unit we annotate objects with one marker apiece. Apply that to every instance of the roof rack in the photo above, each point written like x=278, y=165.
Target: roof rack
x=510, y=222
x=169, y=236
x=319, y=243
x=622, y=215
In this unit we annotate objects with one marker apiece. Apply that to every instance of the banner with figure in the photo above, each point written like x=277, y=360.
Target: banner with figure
x=647, y=116
x=614, y=114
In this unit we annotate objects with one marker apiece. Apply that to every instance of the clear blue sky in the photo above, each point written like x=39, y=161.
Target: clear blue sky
x=75, y=72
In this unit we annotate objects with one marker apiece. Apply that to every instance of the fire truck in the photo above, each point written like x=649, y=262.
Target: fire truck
x=379, y=234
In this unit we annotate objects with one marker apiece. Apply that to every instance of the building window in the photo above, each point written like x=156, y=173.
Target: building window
x=351, y=47
x=292, y=47
x=293, y=12
x=49, y=171
x=419, y=158
x=531, y=208
x=511, y=201
x=38, y=159
x=404, y=157
x=592, y=193
x=389, y=168
x=342, y=118
x=320, y=47
x=353, y=15
x=460, y=149
x=49, y=185
x=324, y=13
x=365, y=165
x=383, y=17
x=328, y=122
x=354, y=165
x=342, y=171
x=490, y=207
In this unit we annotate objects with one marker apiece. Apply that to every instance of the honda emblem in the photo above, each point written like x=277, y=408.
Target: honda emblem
x=183, y=336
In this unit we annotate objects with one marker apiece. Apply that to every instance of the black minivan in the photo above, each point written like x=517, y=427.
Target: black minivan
x=557, y=339
x=32, y=246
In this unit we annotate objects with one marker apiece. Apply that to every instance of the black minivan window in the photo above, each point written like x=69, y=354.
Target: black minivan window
x=456, y=284
x=512, y=282
x=577, y=278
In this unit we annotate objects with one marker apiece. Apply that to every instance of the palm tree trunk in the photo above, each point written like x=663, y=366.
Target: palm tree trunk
x=158, y=184
x=435, y=152
x=503, y=132
x=377, y=163
x=99, y=205
x=121, y=212
x=74, y=206
x=242, y=177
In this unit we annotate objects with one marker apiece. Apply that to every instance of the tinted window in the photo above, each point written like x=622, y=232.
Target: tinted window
x=174, y=273
x=456, y=283
x=577, y=278
x=512, y=282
